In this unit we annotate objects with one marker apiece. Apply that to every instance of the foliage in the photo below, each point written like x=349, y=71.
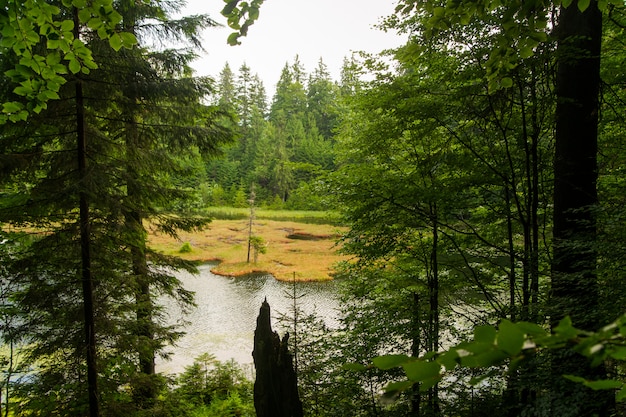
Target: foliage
x=258, y=245
x=299, y=216
x=241, y=15
x=186, y=248
x=512, y=343
x=285, y=151
x=218, y=388
x=28, y=27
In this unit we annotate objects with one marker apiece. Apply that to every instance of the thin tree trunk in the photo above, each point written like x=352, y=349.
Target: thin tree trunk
x=85, y=244
x=416, y=395
x=433, y=289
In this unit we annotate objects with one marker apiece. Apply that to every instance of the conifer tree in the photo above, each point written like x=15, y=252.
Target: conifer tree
x=137, y=129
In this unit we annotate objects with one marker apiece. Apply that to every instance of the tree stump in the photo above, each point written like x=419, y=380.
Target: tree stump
x=275, y=386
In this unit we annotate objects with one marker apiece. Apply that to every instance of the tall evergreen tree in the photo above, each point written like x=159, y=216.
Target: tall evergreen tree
x=226, y=86
x=322, y=100
x=137, y=128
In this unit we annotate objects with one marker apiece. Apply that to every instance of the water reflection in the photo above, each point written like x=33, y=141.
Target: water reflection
x=224, y=321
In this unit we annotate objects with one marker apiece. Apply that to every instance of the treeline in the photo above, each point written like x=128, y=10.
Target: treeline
x=285, y=148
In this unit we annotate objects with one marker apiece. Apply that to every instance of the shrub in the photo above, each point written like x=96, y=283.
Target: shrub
x=186, y=248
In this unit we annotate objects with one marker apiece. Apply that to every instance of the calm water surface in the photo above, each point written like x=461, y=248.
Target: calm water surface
x=224, y=320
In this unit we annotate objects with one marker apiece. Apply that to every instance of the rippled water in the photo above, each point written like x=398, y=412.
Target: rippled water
x=224, y=321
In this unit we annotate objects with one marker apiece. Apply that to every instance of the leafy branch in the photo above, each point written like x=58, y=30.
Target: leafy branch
x=27, y=26
x=510, y=343
x=241, y=15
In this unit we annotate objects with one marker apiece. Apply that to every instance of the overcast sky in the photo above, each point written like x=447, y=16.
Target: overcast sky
x=311, y=29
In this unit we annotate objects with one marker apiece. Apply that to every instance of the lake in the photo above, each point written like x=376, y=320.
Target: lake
x=224, y=320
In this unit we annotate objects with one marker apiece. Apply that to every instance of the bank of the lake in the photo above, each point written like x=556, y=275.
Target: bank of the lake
x=306, y=252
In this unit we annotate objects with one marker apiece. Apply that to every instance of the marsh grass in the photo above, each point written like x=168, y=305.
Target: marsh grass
x=299, y=216
x=307, y=250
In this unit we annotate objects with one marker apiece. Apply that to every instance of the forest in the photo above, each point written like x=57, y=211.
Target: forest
x=477, y=170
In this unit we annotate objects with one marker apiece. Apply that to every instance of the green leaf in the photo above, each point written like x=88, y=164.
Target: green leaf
x=67, y=25
x=7, y=31
x=510, y=338
x=230, y=6
x=116, y=42
x=601, y=384
x=490, y=358
x=95, y=23
x=53, y=58
x=621, y=394
x=475, y=347
x=420, y=371
x=604, y=384
x=583, y=5
x=398, y=386
x=19, y=116
x=12, y=107
x=566, y=3
x=233, y=39
x=23, y=91
x=618, y=352
x=565, y=329
x=74, y=66
x=390, y=361
x=128, y=39
x=526, y=52
x=449, y=359
x=354, y=367
x=485, y=334
x=506, y=82
x=531, y=329
x=84, y=15
x=46, y=95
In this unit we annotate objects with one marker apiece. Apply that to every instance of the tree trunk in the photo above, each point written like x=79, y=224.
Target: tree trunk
x=433, y=301
x=574, y=282
x=85, y=245
x=275, y=387
x=416, y=340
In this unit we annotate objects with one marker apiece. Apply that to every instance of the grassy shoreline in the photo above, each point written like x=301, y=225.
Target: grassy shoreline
x=297, y=250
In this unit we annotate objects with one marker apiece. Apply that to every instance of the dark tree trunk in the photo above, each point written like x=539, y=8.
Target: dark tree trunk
x=574, y=281
x=275, y=387
x=85, y=244
x=433, y=300
x=416, y=340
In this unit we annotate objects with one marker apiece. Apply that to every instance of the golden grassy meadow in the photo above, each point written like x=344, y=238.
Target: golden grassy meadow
x=307, y=250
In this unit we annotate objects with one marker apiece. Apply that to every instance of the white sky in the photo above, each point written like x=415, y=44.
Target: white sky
x=311, y=29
